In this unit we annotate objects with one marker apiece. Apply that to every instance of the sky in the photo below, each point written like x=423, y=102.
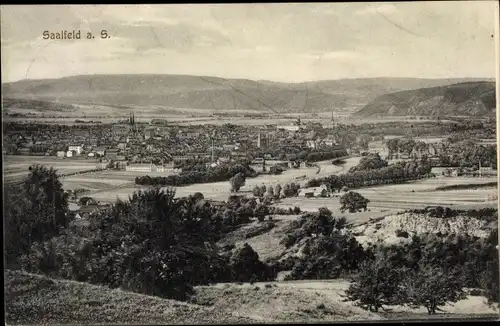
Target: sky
x=287, y=42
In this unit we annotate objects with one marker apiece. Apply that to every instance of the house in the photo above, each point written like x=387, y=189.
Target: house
x=144, y=168
x=257, y=160
x=87, y=210
x=69, y=153
x=223, y=160
x=122, y=146
x=60, y=154
x=311, y=144
x=181, y=158
x=228, y=147
x=306, y=192
x=99, y=151
x=78, y=149
x=321, y=191
x=293, y=128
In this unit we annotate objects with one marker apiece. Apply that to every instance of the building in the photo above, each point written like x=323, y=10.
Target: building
x=293, y=128
x=311, y=144
x=60, y=154
x=78, y=149
x=145, y=168
x=69, y=153
x=321, y=191
x=100, y=151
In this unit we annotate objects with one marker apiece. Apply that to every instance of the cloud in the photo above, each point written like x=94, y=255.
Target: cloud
x=264, y=41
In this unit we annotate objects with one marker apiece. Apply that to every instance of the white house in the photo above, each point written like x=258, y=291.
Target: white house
x=78, y=149
x=288, y=127
x=140, y=167
x=91, y=155
x=69, y=153
x=147, y=168
x=99, y=151
x=60, y=154
x=321, y=191
x=311, y=144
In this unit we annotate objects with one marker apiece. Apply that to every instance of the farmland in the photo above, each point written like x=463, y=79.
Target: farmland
x=16, y=167
x=214, y=191
x=416, y=194
x=107, y=186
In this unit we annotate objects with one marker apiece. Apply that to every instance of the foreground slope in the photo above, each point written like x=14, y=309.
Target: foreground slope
x=35, y=299
x=463, y=99
x=213, y=93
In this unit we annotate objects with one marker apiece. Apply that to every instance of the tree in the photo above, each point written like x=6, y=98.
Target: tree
x=277, y=191
x=370, y=162
x=270, y=191
x=34, y=212
x=246, y=266
x=237, y=181
x=364, y=141
x=377, y=283
x=87, y=201
x=257, y=191
x=432, y=286
x=353, y=202
x=261, y=211
x=489, y=281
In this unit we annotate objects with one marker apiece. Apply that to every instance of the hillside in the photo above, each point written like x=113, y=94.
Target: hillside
x=35, y=299
x=212, y=93
x=462, y=99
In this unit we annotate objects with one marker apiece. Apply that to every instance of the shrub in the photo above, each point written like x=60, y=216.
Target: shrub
x=246, y=266
x=402, y=234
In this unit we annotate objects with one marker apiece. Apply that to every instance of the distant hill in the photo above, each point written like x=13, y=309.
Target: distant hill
x=213, y=93
x=462, y=99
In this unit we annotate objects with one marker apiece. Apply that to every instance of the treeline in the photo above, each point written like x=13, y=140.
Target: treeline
x=425, y=128
x=316, y=156
x=467, y=186
x=222, y=172
x=369, y=162
x=63, y=175
x=395, y=173
x=489, y=214
x=468, y=154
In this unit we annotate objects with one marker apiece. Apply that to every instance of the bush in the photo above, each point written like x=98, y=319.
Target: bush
x=402, y=234
x=246, y=266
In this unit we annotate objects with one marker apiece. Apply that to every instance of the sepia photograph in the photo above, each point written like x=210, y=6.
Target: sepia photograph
x=250, y=163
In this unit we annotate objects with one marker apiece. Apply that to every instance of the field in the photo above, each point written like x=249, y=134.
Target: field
x=218, y=190
x=189, y=116
x=107, y=186
x=417, y=194
x=16, y=167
